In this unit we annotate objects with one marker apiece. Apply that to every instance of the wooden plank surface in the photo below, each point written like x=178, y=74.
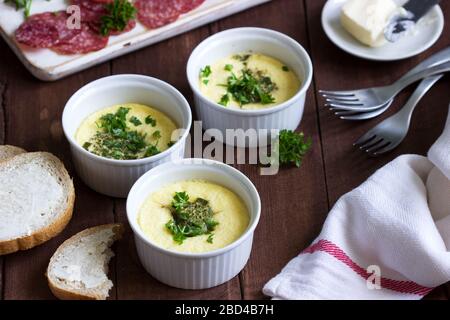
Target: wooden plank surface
x=30, y=116
x=2, y=141
x=346, y=167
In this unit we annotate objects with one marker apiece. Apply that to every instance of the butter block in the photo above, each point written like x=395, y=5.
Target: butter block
x=367, y=19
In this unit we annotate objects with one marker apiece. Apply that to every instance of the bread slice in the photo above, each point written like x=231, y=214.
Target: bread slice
x=7, y=152
x=78, y=270
x=37, y=198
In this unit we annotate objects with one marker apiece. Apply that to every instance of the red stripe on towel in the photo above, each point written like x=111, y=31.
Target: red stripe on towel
x=395, y=285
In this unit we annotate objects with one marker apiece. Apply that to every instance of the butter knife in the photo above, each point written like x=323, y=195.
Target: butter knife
x=401, y=23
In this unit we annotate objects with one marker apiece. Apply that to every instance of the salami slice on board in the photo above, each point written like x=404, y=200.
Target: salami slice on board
x=90, y=11
x=156, y=13
x=185, y=6
x=45, y=30
x=87, y=40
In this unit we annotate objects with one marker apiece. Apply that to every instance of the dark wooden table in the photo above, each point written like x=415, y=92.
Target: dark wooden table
x=295, y=202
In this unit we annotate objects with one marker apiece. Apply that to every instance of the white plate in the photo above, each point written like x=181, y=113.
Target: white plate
x=426, y=34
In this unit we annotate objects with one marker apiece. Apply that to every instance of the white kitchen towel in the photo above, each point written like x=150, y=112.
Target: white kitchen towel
x=387, y=239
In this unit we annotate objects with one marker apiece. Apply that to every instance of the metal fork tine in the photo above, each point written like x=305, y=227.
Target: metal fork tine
x=366, y=137
x=339, y=98
x=344, y=102
x=369, y=136
x=385, y=149
x=373, y=150
x=337, y=93
x=365, y=115
x=350, y=106
x=375, y=144
x=345, y=113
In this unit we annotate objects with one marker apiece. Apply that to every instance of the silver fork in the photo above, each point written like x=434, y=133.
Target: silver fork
x=374, y=98
x=360, y=115
x=389, y=133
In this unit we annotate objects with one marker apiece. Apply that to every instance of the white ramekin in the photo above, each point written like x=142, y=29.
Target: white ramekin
x=116, y=177
x=199, y=270
x=286, y=115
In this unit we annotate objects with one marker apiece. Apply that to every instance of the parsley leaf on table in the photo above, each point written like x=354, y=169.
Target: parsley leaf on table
x=292, y=147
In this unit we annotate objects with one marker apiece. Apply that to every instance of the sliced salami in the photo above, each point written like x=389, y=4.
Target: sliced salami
x=86, y=41
x=185, y=6
x=45, y=30
x=90, y=11
x=156, y=13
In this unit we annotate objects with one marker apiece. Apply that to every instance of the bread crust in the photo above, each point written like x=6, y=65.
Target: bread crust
x=52, y=230
x=7, y=152
x=63, y=294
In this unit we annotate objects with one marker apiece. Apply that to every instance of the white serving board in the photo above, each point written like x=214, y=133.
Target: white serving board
x=49, y=66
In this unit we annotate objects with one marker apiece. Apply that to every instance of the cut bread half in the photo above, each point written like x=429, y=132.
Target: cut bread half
x=78, y=270
x=7, y=152
x=37, y=198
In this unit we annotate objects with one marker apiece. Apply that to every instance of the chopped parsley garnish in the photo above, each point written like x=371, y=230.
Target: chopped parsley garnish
x=151, y=151
x=134, y=120
x=285, y=68
x=224, y=100
x=120, y=12
x=171, y=143
x=156, y=134
x=210, y=238
x=228, y=67
x=22, y=4
x=115, y=140
x=292, y=147
x=149, y=120
x=205, y=72
x=190, y=219
x=205, y=82
x=242, y=57
x=250, y=87
x=86, y=145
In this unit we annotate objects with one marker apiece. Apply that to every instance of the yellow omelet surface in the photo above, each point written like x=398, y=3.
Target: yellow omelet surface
x=229, y=211
x=287, y=82
x=164, y=124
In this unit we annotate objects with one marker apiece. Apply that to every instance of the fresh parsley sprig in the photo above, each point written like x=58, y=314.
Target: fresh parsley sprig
x=250, y=87
x=116, y=140
x=120, y=12
x=190, y=219
x=292, y=147
x=21, y=4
